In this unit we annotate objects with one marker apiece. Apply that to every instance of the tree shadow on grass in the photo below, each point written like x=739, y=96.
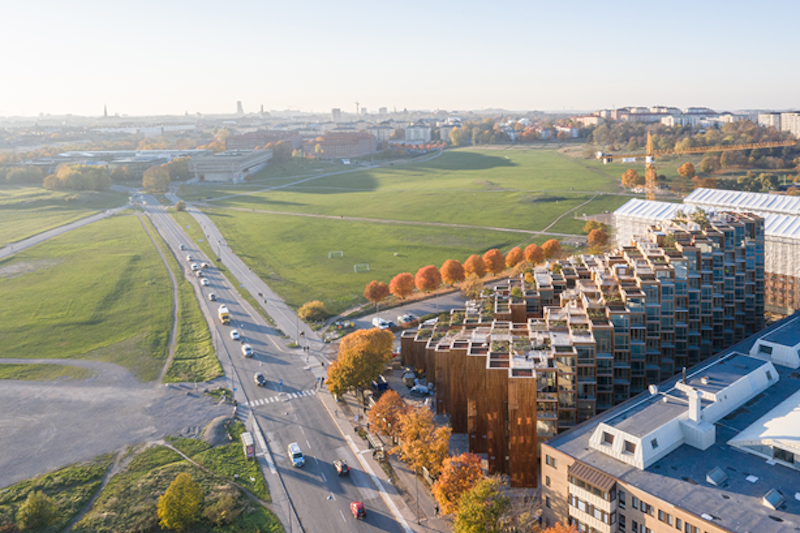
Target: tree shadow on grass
x=468, y=161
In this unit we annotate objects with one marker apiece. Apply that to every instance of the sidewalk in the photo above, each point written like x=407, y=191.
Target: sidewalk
x=401, y=490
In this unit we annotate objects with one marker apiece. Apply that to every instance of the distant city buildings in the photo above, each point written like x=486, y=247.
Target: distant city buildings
x=336, y=114
x=337, y=145
x=259, y=138
x=770, y=120
x=418, y=133
x=233, y=166
x=791, y=122
x=239, y=108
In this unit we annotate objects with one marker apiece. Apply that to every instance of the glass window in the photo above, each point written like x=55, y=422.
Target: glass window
x=621, y=522
x=621, y=500
x=608, y=438
x=678, y=524
x=654, y=443
x=547, y=501
x=630, y=447
x=634, y=502
x=547, y=480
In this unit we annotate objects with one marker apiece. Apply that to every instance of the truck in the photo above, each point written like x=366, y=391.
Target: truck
x=248, y=445
x=224, y=316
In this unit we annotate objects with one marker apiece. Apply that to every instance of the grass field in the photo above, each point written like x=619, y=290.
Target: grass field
x=26, y=211
x=100, y=292
x=71, y=487
x=195, y=358
x=37, y=372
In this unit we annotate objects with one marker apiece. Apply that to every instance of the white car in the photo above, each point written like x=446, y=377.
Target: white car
x=189, y=258
x=195, y=266
x=247, y=350
x=380, y=323
x=234, y=335
x=204, y=282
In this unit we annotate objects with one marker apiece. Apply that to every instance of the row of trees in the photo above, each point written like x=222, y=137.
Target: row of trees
x=429, y=278
x=79, y=178
x=27, y=175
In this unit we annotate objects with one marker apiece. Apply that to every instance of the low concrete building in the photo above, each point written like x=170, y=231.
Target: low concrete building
x=337, y=145
x=257, y=139
x=229, y=166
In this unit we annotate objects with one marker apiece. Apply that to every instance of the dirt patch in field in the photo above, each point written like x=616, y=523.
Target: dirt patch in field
x=20, y=268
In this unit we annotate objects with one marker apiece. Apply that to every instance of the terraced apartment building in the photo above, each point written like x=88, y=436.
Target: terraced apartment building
x=545, y=351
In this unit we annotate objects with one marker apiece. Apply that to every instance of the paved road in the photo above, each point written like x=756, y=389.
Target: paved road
x=287, y=409
x=11, y=249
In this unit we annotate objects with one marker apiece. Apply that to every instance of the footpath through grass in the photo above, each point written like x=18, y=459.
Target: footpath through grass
x=38, y=372
x=195, y=358
x=100, y=292
x=26, y=211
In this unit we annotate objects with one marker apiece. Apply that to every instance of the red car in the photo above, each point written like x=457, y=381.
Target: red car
x=358, y=509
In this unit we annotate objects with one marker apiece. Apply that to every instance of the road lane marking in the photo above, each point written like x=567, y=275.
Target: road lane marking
x=343, y=518
x=323, y=477
x=264, y=450
x=308, y=444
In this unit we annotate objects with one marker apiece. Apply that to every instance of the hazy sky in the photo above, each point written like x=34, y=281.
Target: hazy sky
x=171, y=56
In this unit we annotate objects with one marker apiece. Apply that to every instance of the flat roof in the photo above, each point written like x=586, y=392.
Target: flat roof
x=680, y=477
x=788, y=335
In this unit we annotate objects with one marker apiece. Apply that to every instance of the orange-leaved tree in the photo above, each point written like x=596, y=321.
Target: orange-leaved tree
x=551, y=249
x=597, y=237
x=362, y=355
x=474, y=265
x=494, y=260
x=459, y=475
x=534, y=254
x=687, y=170
x=428, y=279
x=402, y=285
x=561, y=528
x=452, y=272
x=376, y=291
x=632, y=179
x=514, y=257
x=421, y=442
x=384, y=417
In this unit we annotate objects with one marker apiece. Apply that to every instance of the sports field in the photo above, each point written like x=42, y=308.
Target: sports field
x=26, y=211
x=100, y=292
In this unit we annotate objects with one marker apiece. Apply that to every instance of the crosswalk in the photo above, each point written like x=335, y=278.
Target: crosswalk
x=282, y=397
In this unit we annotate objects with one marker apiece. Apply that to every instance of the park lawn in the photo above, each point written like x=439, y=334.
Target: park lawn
x=26, y=211
x=194, y=358
x=128, y=502
x=100, y=292
x=71, y=487
x=41, y=372
x=291, y=253
x=601, y=204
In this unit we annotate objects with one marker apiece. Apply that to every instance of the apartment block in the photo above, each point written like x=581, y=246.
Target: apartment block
x=549, y=350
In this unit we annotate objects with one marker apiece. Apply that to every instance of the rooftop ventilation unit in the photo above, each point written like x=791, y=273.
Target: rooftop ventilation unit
x=773, y=499
x=653, y=390
x=704, y=380
x=716, y=477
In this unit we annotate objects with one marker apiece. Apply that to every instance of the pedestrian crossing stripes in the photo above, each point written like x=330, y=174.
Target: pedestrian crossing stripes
x=282, y=397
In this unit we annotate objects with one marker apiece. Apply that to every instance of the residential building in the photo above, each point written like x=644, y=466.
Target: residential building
x=770, y=119
x=336, y=114
x=229, y=166
x=383, y=131
x=260, y=138
x=575, y=337
x=382, y=111
x=337, y=145
x=418, y=133
x=715, y=450
x=239, y=108
x=589, y=120
x=573, y=133
x=791, y=122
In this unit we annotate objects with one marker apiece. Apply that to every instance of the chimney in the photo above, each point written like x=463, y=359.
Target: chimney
x=684, y=375
x=694, y=405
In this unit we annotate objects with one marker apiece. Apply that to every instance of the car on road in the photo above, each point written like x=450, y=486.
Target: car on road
x=199, y=273
x=380, y=323
x=183, y=247
x=234, y=335
x=296, y=455
x=260, y=380
x=195, y=266
x=204, y=265
x=212, y=297
x=247, y=350
x=406, y=319
x=341, y=467
x=358, y=510
x=189, y=258
x=204, y=282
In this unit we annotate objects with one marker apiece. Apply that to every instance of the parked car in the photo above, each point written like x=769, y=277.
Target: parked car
x=358, y=510
x=406, y=319
x=260, y=380
x=380, y=323
x=380, y=384
x=195, y=266
x=341, y=467
x=419, y=390
x=204, y=282
x=296, y=455
x=247, y=350
x=234, y=335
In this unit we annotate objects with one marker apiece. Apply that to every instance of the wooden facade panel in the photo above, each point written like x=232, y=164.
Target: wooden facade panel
x=523, y=457
x=476, y=398
x=497, y=419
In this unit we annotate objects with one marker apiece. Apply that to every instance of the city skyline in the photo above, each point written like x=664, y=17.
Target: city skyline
x=167, y=59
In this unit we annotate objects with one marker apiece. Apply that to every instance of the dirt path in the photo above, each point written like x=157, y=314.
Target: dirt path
x=112, y=471
x=174, y=339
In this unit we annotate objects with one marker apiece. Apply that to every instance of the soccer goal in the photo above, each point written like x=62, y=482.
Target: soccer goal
x=363, y=267
x=340, y=253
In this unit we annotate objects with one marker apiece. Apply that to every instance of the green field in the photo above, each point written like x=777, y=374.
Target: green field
x=38, y=372
x=26, y=211
x=100, y=292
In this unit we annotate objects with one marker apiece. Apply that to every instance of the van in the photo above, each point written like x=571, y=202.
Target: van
x=296, y=455
x=380, y=323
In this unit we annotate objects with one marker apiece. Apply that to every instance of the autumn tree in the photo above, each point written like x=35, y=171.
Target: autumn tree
x=459, y=475
x=597, y=238
x=402, y=285
x=631, y=179
x=481, y=509
x=376, y=291
x=593, y=224
x=687, y=170
x=156, y=180
x=514, y=257
x=534, y=254
x=313, y=311
x=474, y=266
x=281, y=152
x=452, y=272
x=362, y=355
x=180, y=206
x=384, y=417
x=494, y=261
x=709, y=164
x=551, y=249
x=561, y=528
x=472, y=287
x=706, y=183
x=37, y=511
x=422, y=444
x=428, y=278
x=179, y=507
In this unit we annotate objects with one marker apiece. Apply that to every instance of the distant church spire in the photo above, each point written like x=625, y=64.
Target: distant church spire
x=105, y=110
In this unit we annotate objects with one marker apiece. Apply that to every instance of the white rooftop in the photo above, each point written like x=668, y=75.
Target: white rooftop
x=779, y=427
x=756, y=202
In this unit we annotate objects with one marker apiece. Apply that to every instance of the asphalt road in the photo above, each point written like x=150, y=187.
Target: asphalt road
x=286, y=409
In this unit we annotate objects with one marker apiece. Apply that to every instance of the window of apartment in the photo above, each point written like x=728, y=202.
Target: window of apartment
x=547, y=480
x=608, y=438
x=644, y=508
x=550, y=461
x=678, y=524
x=622, y=499
x=630, y=447
x=765, y=349
x=634, y=526
x=654, y=443
x=634, y=502
x=547, y=501
x=664, y=517
x=621, y=523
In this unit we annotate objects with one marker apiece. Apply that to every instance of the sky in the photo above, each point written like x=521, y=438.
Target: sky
x=147, y=57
